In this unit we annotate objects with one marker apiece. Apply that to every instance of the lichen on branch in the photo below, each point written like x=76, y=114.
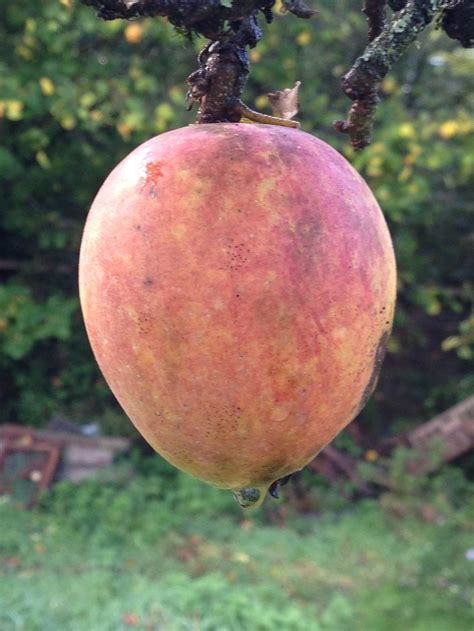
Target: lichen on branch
x=387, y=42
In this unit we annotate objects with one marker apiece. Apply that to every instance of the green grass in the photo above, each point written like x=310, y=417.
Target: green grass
x=164, y=552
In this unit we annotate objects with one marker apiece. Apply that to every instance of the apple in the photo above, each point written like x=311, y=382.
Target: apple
x=238, y=287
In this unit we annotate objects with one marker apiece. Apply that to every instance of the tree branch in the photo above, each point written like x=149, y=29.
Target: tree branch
x=233, y=27
x=362, y=82
x=298, y=8
x=184, y=12
x=458, y=21
x=218, y=83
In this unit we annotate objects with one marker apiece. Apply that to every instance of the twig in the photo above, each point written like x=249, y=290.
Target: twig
x=298, y=8
x=362, y=82
x=34, y=267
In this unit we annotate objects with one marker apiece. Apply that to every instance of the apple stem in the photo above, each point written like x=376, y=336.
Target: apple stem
x=265, y=119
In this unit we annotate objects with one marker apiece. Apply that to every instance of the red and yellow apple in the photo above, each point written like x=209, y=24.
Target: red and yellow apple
x=238, y=287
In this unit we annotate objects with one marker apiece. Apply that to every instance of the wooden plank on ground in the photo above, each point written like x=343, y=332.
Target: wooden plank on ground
x=446, y=437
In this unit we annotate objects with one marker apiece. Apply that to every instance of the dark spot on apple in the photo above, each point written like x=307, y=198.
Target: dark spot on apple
x=374, y=377
x=148, y=282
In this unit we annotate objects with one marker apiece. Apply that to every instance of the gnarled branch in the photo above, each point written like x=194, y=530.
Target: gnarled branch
x=362, y=82
x=218, y=83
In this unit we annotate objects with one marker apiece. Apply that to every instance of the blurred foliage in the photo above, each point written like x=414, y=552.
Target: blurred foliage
x=162, y=551
x=77, y=94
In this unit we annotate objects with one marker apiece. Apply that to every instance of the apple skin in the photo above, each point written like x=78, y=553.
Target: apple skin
x=238, y=287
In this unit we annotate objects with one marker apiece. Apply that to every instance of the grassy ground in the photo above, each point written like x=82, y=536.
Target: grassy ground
x=164, y=552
